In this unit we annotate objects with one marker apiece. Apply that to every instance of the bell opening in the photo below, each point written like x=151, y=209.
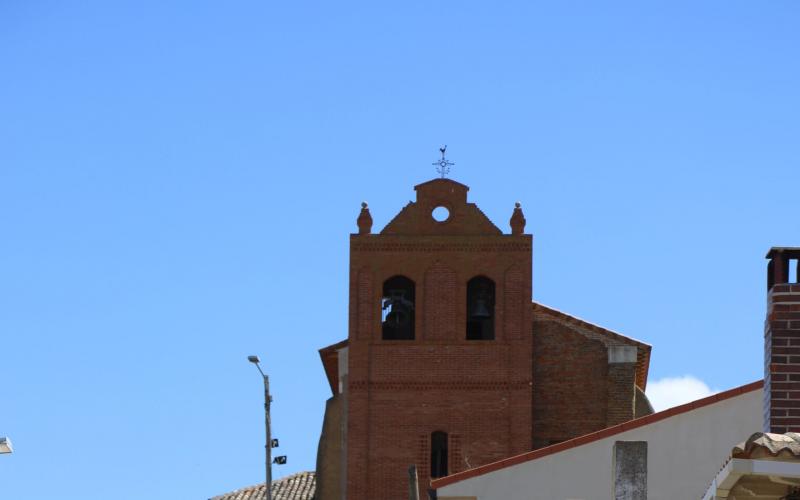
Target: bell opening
x=480, y=309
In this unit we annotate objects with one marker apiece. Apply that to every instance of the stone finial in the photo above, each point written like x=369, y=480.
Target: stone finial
x=517, y=220
x=364, y=220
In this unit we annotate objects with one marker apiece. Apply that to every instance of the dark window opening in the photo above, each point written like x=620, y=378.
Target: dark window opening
x=397, y=306
x=438, y=454
x=480, y=309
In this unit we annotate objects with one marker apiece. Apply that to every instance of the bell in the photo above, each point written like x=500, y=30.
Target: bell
x=397, y=317
x=479, y=310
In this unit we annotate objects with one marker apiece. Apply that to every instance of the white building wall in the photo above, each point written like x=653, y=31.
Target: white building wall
x=684, y=454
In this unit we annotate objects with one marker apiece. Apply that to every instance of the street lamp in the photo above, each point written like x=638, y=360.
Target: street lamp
x=5, y=445
x=268, y=444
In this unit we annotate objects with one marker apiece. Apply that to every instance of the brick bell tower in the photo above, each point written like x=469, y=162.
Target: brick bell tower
x=436, y=371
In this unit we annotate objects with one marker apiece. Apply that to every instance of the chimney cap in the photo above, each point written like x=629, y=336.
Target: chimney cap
x=791, y=252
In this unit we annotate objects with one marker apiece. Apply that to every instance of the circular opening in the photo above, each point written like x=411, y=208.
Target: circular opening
x=440, y=214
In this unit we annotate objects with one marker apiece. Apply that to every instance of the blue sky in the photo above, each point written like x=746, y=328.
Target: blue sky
x=178, y=181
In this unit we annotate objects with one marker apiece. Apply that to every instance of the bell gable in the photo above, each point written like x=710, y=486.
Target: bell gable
x=441, y=209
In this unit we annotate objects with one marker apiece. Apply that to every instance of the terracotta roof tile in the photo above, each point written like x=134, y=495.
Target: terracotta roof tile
x=300, y=486
x=764, y=443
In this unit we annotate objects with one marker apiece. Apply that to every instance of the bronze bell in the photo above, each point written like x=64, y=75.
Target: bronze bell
x=480, y=310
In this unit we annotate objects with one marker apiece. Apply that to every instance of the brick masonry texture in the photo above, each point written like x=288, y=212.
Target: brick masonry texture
x=329, y=452
x=541, y=379
x=782, y=359
x=570, y=388
x=576, y=390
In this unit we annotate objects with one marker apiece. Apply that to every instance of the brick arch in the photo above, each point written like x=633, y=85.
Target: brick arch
x=481, y=293
x=399, y=294
x=441, y=304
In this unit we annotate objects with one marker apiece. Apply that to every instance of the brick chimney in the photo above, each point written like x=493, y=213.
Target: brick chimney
x=782, y=343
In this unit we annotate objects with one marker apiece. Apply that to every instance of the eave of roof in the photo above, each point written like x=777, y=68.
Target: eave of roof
x=596, y=436
x=643, y=355
x=330, y=363
x=763, y=471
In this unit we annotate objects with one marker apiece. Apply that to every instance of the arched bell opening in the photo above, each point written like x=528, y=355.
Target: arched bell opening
x=397, y=309
x=480, y=308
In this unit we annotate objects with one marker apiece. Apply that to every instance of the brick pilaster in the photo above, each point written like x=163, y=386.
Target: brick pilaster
x=621, y=384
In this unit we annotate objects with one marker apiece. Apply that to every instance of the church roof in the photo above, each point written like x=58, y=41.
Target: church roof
x=300, y=486
x=330, y=362
x=604, y=335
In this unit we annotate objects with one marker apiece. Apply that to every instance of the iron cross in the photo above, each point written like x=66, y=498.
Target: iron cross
x=443, y=165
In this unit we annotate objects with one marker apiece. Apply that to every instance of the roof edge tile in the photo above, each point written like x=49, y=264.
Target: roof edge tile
x=597, y=435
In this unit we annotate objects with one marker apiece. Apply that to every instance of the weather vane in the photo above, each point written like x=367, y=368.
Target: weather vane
x=443, y=165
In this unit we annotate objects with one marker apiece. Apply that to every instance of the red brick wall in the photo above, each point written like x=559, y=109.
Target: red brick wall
x=441, y=304
x=570, y=373
x=399, y=392
x=479, y=392
x=782, y=360
x=329, y=452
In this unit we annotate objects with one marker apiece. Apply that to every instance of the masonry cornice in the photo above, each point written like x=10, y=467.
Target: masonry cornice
x=455, y=246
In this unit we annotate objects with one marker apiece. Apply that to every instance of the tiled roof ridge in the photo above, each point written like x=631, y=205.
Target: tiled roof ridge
x=597, y=435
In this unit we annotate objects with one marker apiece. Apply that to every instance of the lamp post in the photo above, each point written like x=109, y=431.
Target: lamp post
x=5, y=445
x=268, y=444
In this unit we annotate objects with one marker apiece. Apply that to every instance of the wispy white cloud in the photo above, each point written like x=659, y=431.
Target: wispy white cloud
x=673, y=391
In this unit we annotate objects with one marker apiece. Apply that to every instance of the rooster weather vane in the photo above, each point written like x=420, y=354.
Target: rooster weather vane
x=443, y=165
